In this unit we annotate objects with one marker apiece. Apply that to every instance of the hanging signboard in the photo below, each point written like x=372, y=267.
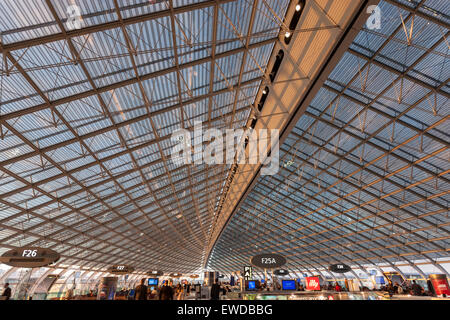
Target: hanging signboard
x=29, y=257
x=175, y=275
x=221, y=276
x=281, y=272
x=120, y=269
x=248, y=272
x=268, y=260
x=339, y=268
x=156, y=273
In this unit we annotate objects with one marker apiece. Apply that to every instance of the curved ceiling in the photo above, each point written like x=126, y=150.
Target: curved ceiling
x=87, y=113
x=364, y=176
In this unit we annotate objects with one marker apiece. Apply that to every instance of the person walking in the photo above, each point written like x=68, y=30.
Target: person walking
x=215, y=290
x=337, y=288
x=166, y=292
x=6, y=291
x=416, y=289
x=390, y=289
x=180, y=292
x=188, y=288
x=431, y=288
x=141, y=291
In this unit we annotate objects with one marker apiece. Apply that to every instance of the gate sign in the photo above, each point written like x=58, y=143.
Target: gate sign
x=268, y=260
x=175, y=275
x=281, y=272
x=248, y=273
x=120, y=269
x=155, y=273
x=312, y=283
x=29, y=257
x=339, y=268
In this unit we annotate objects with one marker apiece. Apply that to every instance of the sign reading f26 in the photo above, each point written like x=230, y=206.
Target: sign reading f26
x=268, y=260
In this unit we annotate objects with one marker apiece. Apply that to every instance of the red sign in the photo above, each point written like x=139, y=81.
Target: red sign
x=312, y=283
x=440, y=284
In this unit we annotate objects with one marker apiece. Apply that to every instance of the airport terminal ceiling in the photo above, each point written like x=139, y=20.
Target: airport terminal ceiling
x=88, y=107
x=364, y=174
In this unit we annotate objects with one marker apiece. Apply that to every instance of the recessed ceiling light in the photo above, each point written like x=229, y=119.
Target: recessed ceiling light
x=298, y=7
x=287, y=34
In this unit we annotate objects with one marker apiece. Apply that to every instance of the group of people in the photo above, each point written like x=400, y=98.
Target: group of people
x=178, y=292
x=165, y=292
x=217, y=288
x=334, y=287
x=392, y=288
x=414, y=289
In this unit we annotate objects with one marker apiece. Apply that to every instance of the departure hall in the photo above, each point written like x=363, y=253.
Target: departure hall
x=226, y=153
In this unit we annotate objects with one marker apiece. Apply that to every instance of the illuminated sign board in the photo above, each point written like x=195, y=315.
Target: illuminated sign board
x=29, y=257
x=175, y=275
x=120, y=269
x=339, y=268
x=248, y=270
x=268, y=261
x=281, y=272
x=312, y=283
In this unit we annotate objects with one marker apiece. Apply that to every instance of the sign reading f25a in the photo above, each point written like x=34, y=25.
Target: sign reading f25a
x=268, y=260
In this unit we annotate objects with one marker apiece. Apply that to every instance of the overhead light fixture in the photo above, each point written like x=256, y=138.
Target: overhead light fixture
x=287, y=34
x=179, y=216
x=298, y=7
x=264, y=91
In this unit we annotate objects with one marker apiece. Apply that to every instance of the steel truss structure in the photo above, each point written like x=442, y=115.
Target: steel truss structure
x=364, y=176
x=87, y=114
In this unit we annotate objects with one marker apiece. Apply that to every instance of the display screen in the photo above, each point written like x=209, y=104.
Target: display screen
x=379, y=280
x=251, y=285
x=262, y=280
x=153, y=281
x=288, y=284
